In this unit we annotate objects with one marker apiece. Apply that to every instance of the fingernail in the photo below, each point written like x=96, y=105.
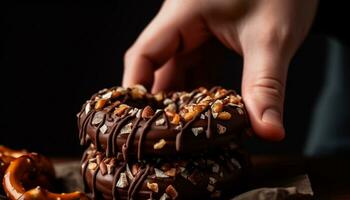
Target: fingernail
x=272, y=116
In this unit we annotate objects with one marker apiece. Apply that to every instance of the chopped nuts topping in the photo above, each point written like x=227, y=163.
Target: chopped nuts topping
x=160, y=144
x=221, y=129
x=123, y=181
x=147, y=112
x=103, y=129
x=167, y=101
x=210, y=188
x=128, y=172
x=159, y=96
x=190, y=115
x=212, y=180
x=224, y=115
x=100, y=104
x=152, y=186
x=87, y=108
x=138, y=92
x=98, y=118
x=164, y=197
x=176, y=119
x=217, y=106
x=121, y=109
x=170, y=107
x=126, y=129
x=107, y=95
x=160, y=173
x=160, y=121
x=178, y=127
x=197, y=130
x=171, y=191
x=171, y=172
x=92, y=166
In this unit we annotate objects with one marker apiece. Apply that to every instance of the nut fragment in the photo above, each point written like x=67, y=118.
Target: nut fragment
x=87, y=108
x=176, y=119
x=103, y=129
x=147, y=112
x=159, y=96
x=159, y=144
x=152, y=186
x=160, y=173
x=121, y=109
x=171, y=172
x=170, y=108
x=190, y=115
x=107, y=95
x=212, y=180
x=164, y=197
x=217, y=106
x=98, y=118
x=221, y=129
x=92, y=166
x=224, y=115
x=197, y=130
x=126, y=129
x=100, y=104
x=123, y=181
x=160, y=121
x=171, y=191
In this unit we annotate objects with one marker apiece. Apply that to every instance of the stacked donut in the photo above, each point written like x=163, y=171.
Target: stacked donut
x=179, y=145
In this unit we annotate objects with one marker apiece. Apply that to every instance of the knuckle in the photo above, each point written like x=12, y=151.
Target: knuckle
x=270, y=87
x=277, y=37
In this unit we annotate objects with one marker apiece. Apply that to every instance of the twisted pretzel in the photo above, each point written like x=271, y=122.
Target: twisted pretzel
x=26, y=175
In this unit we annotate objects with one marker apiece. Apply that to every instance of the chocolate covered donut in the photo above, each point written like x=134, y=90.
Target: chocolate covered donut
x=179, y=145
x=132, y=121
x=203, y=177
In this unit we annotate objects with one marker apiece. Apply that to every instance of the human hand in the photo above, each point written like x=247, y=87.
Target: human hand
x=265, y=32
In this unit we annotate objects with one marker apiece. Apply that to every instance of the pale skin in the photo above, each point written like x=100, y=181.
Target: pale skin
x=266, y=33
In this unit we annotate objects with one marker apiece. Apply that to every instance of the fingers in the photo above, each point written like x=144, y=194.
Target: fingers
x=263, y=88
x=157, y=43
x=176, y=29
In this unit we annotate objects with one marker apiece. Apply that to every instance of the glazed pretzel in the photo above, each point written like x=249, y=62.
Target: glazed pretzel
x=6, y=156
x=24, y=176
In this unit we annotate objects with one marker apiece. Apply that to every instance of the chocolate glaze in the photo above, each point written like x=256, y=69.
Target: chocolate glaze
x=186, y=189
x=144, y=134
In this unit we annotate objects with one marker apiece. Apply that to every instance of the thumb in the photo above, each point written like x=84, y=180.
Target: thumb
x=263, y=88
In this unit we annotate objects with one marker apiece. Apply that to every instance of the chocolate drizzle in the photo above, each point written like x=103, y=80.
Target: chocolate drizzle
x=94, y=190
x=130, y=139
x=139, y=178
x=143, y=132
x=115, y=180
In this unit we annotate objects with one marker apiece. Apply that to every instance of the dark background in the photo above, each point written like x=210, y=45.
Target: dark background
x=54, y=56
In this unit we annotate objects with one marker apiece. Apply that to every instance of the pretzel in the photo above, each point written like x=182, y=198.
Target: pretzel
x=26, y=175
x=6, y=156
